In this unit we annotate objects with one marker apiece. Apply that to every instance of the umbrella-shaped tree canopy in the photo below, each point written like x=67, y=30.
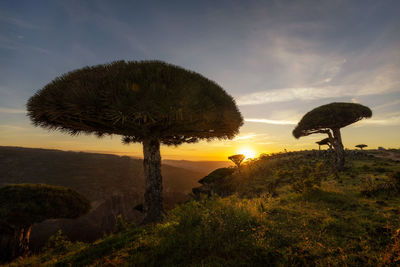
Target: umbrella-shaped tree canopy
x=26, y=204
x=137, y=99
x=329, y=119
x=324, y=141
x=361, y=146
x=23, y=205
x=237, y=159
x=330, y=116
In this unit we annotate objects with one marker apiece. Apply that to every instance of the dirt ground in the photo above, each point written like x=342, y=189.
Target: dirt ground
x=388, y=154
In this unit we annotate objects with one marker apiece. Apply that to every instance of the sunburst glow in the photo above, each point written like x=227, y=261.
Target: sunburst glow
x=247, y=152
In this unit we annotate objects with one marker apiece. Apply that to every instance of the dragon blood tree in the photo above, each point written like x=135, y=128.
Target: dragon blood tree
x=323, y=142
x=23, y=205
x=237, y=159
x=329, y=119
x=361, y=146
x=150, y=102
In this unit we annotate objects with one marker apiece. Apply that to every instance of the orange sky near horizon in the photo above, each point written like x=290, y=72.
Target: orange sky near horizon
x=270, y=139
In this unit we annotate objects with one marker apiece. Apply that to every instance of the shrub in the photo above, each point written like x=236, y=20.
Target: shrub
x=380, y=169
x=386, y=189
x=120, y=224
x=216, y=176
x=310, y=177
x=58, y=242
x=395, y=179
x=392, y=254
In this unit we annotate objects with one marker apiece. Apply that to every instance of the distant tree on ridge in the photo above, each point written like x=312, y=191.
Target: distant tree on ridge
x=329, y=119
x=361, y=146
x=324, y=141
x=237, y=159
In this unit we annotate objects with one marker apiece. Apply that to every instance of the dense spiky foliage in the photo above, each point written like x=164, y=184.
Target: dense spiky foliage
x=23, y=205
x=237, y=159
x=216, y=176
x=137, y=99
x=151, y=102
x=329, y=119
x=331, y=116
x=361, y=146
x=26, y=204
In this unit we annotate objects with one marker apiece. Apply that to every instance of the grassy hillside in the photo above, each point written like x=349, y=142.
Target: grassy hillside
x=287, y=209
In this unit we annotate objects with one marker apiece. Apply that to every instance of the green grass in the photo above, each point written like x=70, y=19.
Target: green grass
x=327, y=222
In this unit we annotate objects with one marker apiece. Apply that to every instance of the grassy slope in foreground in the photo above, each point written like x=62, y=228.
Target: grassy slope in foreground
x=317, y=219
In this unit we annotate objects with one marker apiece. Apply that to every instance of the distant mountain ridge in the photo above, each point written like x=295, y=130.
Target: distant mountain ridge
x=87, y=172
x=205, y=167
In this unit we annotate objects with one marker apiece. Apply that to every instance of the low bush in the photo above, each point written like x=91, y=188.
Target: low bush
x=58, y=242
x=386, y=189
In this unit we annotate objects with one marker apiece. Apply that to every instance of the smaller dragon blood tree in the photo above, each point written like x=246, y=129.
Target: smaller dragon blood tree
x=361, y=146
x=23, y=205
x=323, y=142
x=237, y=159
x=329, y=119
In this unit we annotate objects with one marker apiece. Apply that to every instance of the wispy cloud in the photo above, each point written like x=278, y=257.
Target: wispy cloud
x=17, y=43
x=380, y=85
x=13, y=127
x=12, y=110
x=389, y=104
x=282, y=95
x=18, y=22
x=389, y=119
x=244, y=137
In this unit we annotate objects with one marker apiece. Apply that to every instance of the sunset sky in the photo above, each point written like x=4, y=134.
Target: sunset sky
x=278, y=59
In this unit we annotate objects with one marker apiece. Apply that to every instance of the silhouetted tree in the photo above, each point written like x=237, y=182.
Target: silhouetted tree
x=361, y=146
x=324, y=141
x=237, y=159
x=329, y=119
x=150, y=102
x=23, y=205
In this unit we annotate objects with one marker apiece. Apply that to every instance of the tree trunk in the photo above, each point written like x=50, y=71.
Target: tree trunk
x=339, y=150
x=23, y=240
x=153, y=200
x=14, y=242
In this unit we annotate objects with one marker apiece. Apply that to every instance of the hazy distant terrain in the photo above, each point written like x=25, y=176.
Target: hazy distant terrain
x=204, y=167
x=92, y=174
x=113, y=184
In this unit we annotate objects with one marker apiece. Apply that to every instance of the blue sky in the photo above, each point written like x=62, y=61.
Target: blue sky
x=279, y=59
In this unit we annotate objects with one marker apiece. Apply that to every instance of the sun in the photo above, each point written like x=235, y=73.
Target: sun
x=247, y=152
